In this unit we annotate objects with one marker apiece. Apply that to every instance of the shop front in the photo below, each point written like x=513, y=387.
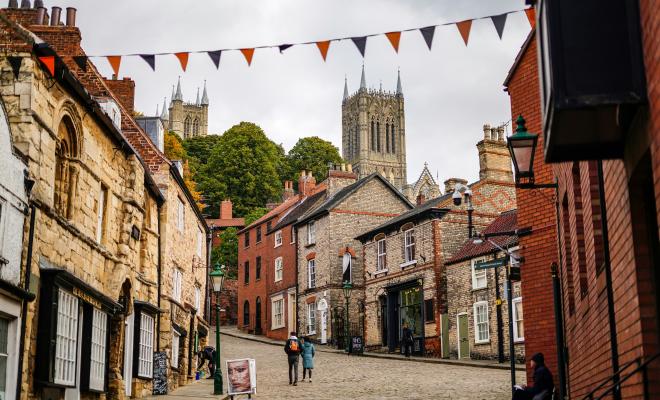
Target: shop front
x=403, y=304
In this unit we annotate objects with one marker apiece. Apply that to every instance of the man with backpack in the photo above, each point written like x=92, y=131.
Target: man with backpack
x=292, y=348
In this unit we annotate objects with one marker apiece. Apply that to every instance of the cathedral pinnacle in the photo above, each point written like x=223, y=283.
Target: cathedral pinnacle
x=163, y=114
x=399, y=89
x=363, y=80
x=197, y=100
x=345, y=88
x=172, y=97
x=178, y=96
x=205, y=97
x=157, y=110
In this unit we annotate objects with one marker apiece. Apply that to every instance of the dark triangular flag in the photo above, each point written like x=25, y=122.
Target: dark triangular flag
x=149, y=59
x=81, y=61
x=283, y=47
x=499, y=21
x=360, y=43
x=428, y=33
x=15, y=63
x=215, y=57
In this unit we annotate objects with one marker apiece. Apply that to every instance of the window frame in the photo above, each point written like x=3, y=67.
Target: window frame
x=257, y=234
x=293, y=234
x=278, y=238
x=381, y=257
x=177, y=278
x=279, y=269
x=311, y=233
x=311, y=273
x=429, y=310
x=476, y=323
x=145, y=346
x=409, y=243
x=98, y=350
x=311, y=318
x=180, y=215
x=246, y=272
x=257, y=268
x=246, y=321
x=176, y=338
x=66, y=299
x=475, y=278
x=516, y=337
x=274, y=314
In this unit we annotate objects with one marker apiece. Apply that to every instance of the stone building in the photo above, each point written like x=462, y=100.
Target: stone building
x=424, y=188
x=150, y=270
x=186, y=119
x=328, y=253
x=405, y=257
x=373, y=132
x=472, y=298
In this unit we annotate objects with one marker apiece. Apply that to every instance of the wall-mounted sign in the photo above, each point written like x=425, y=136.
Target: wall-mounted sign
x=86, y=297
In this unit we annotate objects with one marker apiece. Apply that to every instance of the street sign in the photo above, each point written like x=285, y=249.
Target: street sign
x=514, y=272
x=498, y=262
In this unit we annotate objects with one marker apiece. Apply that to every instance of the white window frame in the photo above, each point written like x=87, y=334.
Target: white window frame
x=180, y=215
x=278, y=238
x=277, y=309
x=311, y=273
x=311, y=318
x=198, y=299
x=516, y=337
x=478, y=275
x=381, y=256
x=476, y=322
x=408, y=243
x=279, y=267
x=177, y=276
x=176, y=337
x=98, y=350
x=3, y=207
x=200, y=242
x=146, y=346
x=100, y=213
x=66, y=346
x=293, y=234
x=311, y=232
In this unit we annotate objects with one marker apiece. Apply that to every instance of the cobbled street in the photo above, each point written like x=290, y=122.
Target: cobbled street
x=337, y=376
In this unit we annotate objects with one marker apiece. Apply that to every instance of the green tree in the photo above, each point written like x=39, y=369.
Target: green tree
x=227, y=253
x=255, y=214
x=174, y=150
x=243, y=166
x=312, y=154
x=199, y=150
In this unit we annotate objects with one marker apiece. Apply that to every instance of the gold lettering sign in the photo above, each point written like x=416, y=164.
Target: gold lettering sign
x=84, y=296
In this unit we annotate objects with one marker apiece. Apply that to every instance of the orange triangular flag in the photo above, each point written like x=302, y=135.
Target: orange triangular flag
x=394, y=39
x=248, y=53
x=49, y=62
x=183, y=59
x=531, y=16
x=464, y=29
x=323, y=48
x=114, y=61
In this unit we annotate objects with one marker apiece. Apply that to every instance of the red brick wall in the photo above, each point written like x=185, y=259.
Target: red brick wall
x=535, y=209
x=124, y=91
x=254, y=288
x=288, y=253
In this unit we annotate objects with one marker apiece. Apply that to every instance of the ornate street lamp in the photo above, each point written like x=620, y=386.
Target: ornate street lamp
x=218, y=280
x=347, y=288
x=522, y=147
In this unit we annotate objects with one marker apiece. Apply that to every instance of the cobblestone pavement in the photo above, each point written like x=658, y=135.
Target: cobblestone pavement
x=337, y=376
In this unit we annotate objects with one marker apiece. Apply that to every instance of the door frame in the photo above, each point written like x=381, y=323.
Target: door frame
x=257, y=316
x=129, y=331
x=458, y=332
x=291, y=312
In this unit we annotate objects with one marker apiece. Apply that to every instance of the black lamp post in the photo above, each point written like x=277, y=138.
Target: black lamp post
x=218, y=279
x=347, y=288
x=522, y=146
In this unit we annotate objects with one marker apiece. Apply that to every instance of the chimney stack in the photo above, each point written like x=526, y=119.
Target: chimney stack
x=55, y=16
x=70, y=16
x=41, y=16
x=494, y=156
x=288, y=191
x=339, y=176
x=306, y=183
x=226, y=211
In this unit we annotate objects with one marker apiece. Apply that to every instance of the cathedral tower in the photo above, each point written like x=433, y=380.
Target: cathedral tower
x=373, y=132
x=188, y=119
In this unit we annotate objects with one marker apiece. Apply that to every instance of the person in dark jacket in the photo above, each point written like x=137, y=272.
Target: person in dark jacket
x=208, y=353
x=543, y=383
x=292, y=348
x=407, y=339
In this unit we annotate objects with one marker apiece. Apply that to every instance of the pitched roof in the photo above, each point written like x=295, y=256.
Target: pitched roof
x=507, y=221
x=343, y=193
x=280, y=208
x=429, y=206
x=299, y=210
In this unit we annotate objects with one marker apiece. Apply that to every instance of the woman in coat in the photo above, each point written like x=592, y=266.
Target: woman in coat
x=308, y=357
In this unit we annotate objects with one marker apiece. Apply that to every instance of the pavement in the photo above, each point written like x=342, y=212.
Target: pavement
x=339, y=376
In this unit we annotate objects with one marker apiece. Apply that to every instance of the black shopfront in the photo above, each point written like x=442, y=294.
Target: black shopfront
x=403, y=303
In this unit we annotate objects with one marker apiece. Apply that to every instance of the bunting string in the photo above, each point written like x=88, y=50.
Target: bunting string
x=360, y=42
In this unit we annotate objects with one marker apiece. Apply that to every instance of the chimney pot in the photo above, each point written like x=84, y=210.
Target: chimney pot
x=41, y=16
x=13, y=4
x=70, y=16
x=55, y=16
x=25, y=4
x=38, y=3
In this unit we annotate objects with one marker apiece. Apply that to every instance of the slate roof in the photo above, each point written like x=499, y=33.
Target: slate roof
x=507, y=221
x=343, y=193
x=299, y=210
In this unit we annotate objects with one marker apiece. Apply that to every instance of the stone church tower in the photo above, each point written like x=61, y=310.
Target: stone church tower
x=373, y=132
x=187, y=119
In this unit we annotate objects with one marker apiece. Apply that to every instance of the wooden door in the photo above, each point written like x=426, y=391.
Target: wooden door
x=463, y=337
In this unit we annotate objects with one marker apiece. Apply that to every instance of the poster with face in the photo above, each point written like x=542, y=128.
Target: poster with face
x=242, y=376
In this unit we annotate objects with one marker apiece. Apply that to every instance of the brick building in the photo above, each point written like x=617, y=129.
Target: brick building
x=472, y=298
x=405, y=257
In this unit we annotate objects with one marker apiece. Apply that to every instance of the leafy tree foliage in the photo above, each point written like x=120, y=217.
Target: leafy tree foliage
x=227, y=253
x=255, y=214
x=312, y=154
x=173, y=146
x=199, y=150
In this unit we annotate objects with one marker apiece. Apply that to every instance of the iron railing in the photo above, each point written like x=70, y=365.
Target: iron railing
x=618, y=378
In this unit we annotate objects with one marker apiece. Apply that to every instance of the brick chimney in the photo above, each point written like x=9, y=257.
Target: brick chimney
x=494, y=157
x=421, y=199
x=450, y=184
x=288, y=191
x=124, y=91
x=226, y=211
x=306, y=183
x=340, y=176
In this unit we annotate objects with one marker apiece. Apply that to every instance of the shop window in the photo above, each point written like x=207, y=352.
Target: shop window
x=429, y=312
x=175, y=348
x=258, y=234
x=311, y=318
x=66, y=344
x=481, y=328
x=311, y=273
x=518, y=325
x=176, y=284
x=311, y=233
x=278, y=269
x=381, y=263
x=278, y=312
x=257, y=269
x=479, y=280
x=246, y=313
x=98, y=350
x=146, y=346
x=411, y=310
x=278, y=238
x=409, y=245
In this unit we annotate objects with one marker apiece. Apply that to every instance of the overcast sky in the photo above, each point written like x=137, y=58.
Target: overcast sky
x=449, y=92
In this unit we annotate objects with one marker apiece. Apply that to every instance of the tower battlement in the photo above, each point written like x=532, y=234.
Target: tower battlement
x=186, y=119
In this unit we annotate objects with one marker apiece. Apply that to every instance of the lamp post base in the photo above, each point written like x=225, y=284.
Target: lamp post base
x=217, y=382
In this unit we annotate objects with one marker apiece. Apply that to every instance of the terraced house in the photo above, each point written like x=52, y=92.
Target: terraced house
x=117, y=255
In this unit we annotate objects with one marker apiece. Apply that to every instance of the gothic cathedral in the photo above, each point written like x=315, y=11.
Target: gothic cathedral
x=373, y=132
x=186, y=119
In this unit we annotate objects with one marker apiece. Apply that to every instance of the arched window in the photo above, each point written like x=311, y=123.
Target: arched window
x=378, y=136
x=246, y=313
x=373, y=135
x=186, y=127
x=65, y=173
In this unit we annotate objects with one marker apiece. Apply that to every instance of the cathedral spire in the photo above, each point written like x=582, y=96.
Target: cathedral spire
x=345, y=88
x=178, y=96
x=197, y=100
x=163, y=115
x=205, y=97
x=363, y=80
x=157, y=110
x=399, y=89
x=172, y=97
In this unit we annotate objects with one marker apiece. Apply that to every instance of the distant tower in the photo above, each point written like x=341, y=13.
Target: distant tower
x=373, y=132
x=188, y=119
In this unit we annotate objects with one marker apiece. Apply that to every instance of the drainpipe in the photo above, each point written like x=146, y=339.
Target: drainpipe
x=562, y=353
x=500, y=328
x=160, y=272
x=608, y=281
x=207, y=293
x=297, y=280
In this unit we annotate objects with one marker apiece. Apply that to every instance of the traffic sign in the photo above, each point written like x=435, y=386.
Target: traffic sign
x=498, y=262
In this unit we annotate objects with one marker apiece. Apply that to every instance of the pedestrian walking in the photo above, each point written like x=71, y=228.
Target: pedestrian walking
x=292, y=348
x=208, y=353
x=407, y=339
x=543, y=384
x=308, y=353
